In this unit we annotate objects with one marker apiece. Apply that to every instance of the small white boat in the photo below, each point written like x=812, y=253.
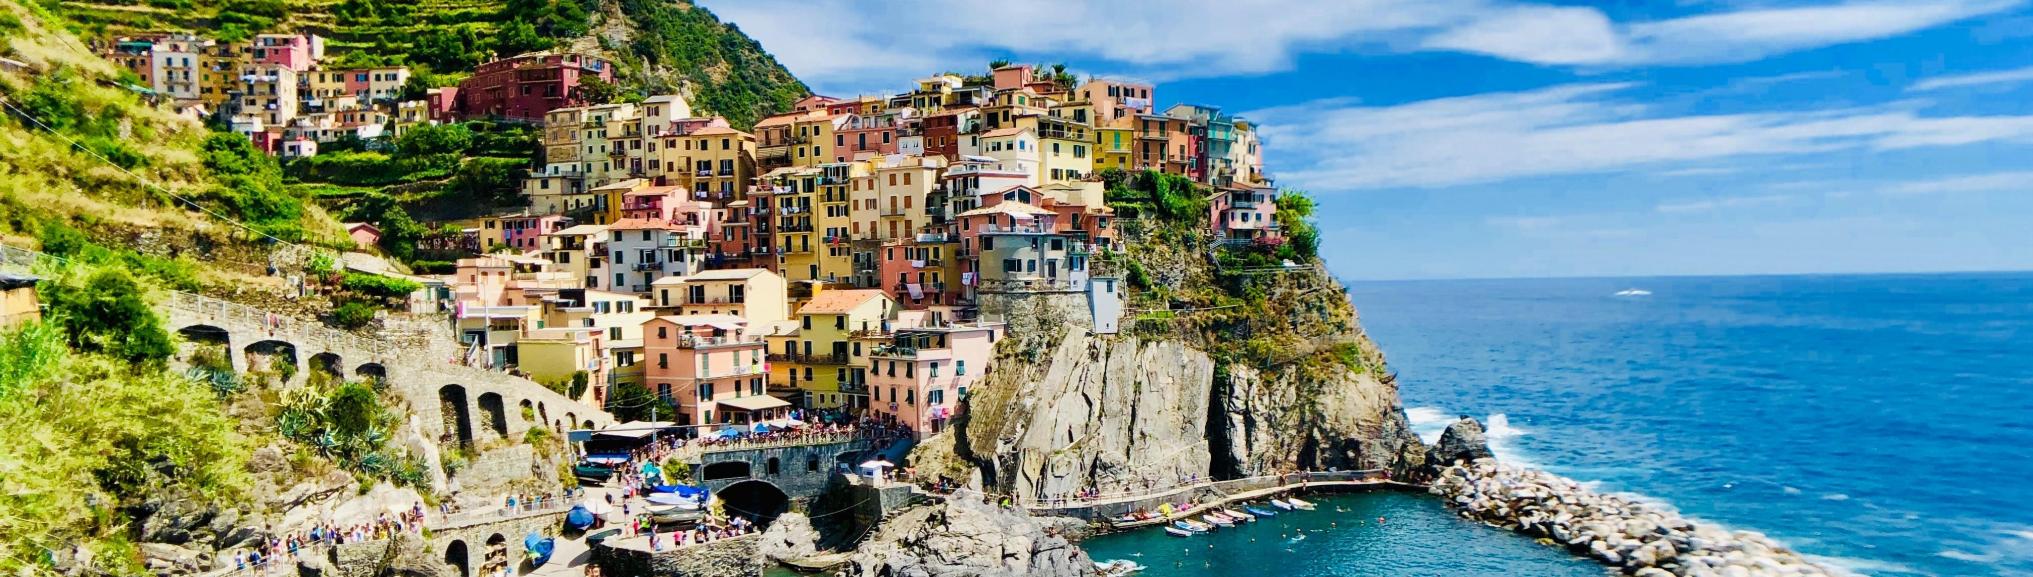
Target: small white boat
x=1281, y=504
x=1239, y=516
x=1218, y=520
x=1298, y=504
x=1117, y=567
x=1177, y=532
x=1632, y=292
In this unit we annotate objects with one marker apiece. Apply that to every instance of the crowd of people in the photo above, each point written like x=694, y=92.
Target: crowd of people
x=288, y=546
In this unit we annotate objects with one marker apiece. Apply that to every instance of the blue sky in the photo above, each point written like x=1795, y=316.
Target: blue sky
x=1491, y=138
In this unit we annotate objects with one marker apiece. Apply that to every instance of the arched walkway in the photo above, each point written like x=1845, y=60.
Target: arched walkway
x=330, y=364
x=272, y=356
x=498, y=555
x=493, y=414
x=207, y=346
x=458, y=560
x=372, y=372
x=458, y=421
x=725, y=470
x=758, y=501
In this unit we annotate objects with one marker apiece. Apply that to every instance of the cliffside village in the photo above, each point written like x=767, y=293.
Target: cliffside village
x=836, y=257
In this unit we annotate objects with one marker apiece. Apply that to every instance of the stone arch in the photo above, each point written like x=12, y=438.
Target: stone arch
x=725, y=470
x=773, y=467
x=329, y=363
x=543, y=415
x=272, y=356
x=758, y=501
x=207, y=346
x=588, y=424
x=527, y=412
x=373, y=372
x=498, y=555
x=570, y=421
x=493, y=414
x=457, y=559
x=458, y=419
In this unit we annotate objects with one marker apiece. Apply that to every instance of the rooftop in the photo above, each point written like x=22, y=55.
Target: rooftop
x=1010, y=207
x=839, y=301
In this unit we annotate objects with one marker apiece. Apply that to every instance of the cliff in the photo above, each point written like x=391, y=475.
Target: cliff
x=1221, y=375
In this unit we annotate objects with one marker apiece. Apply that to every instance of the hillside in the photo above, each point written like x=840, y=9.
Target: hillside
x=664, y=45
x=78, y=152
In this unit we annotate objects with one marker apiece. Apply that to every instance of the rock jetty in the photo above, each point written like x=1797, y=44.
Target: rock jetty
x=1641, y=539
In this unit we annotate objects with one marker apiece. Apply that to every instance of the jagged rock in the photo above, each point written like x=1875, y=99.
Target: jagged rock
x=791, y=537
x=966, y=538
x=1463, y=441
x=167, y=559
x=268, y=459
x=315, y=566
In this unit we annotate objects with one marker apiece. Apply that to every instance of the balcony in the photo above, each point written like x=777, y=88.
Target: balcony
x=702, y=342
x=787, y=249
x=690, y=243
x=898, y=212
x=648, y=266
x=934, y=237
x=726, y=172
x=704, y=172
x=814, y=359
x=795, y=228
x=1019, y=229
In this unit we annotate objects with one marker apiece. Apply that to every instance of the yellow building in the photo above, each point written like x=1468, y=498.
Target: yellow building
x=555, y=355
x=812, y=140
x=712, y=163
x=796, y=191
x=832, y=219
x=818, y=358
x=756, y=295
x=1113, y=146
x=579, y=251
x=901, y=196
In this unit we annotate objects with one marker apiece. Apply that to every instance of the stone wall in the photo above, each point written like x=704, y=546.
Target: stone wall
x=1031, y=313
x=793, y=475
x=479, y=537
x=732, y=557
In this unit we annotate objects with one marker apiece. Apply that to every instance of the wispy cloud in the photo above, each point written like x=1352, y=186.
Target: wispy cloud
x=1584, y=36
x=1726, y=202
x=2017, y=181
x=844, y=43
x=1994, y=78
x=1576, y=129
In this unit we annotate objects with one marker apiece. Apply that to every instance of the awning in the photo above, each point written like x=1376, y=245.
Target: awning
x=754, y=403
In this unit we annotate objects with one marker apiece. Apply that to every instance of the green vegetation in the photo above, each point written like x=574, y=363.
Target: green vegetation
x=572, y=387
x=351, y=424
x=106, y=311
x=729, y=73
x=84, y=436
x=634, y=402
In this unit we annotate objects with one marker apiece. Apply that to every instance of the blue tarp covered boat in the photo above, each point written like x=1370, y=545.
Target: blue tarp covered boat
x=539, y=548
x=579, y=518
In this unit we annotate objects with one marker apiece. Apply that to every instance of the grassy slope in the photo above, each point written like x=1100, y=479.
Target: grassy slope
x=664, y=44
x=46, y=176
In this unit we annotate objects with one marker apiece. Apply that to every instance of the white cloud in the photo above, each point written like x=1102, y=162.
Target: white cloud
x=2014, y=76
x=1726, y=202
x=2019, y=181
x=840, y=43
x=1573, y=129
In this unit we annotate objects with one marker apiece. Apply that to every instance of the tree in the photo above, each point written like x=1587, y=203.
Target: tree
x=596, y=91
x=433, y=140
x=634, y=402
x=108, y=312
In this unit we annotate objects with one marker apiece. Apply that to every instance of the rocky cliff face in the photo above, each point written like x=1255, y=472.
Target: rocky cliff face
x=963, y=537
x=1067, y=410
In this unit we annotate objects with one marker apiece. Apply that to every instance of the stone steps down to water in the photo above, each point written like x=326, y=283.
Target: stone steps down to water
x=1641, y=539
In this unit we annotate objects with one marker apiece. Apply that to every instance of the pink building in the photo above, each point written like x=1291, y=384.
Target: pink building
x=918, y=377
x=526, y=87
x=443, y=103
x=296, y=52
x=919, y=275
x=365, y=235
x=1244, y=213
x=705, y=366
x=525, y=232
x=875, y=135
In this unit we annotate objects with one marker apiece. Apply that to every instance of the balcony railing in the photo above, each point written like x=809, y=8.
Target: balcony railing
x=648, y=266
x=705, y=172
x=1019, y=229
x=814, y=359
x=795, y=228
x=897, y=212
x=695, y=342
x=716, y=301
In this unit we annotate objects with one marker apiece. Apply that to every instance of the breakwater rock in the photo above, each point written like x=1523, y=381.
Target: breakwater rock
x=1640, y=538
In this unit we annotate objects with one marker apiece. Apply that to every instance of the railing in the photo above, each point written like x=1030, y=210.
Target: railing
x=550, y=505
x=813, y=359
x=793, y=439
x=896, y=212
x=648, y=266
x=693, y=342
x=1019, y=229
x=1030, y=285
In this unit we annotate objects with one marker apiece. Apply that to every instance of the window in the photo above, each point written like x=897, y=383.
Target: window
x=934, y=370
x=808, y=322
x=1012, y=265
x=663, y=332
x=663, y=360
x=959, y=367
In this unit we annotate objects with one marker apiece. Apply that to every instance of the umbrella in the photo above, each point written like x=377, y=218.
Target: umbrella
x=877, y=464
x=761, y=427
x=597, y=507
x=727, y=433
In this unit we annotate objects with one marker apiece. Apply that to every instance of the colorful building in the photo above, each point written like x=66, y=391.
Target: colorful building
x=755, y=295
x=528, y=86
x=817, y=357
x=918, y=375
x=709, y=369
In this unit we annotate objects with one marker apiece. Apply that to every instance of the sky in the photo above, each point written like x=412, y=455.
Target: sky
x=1493, y=138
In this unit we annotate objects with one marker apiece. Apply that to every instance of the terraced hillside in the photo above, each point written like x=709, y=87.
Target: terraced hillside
x=664, y=45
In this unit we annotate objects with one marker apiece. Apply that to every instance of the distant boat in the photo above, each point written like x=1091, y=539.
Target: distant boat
x=1260, y=511
x=1177, y=532
x=1298, y=504
x=1634, y=293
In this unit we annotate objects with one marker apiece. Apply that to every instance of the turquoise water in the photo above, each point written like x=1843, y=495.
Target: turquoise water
x=1343, y=538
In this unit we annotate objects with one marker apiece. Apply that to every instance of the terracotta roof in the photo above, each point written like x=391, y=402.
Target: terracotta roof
x=782, y=119
x=712, y=130
x=833, y=302
x=580, y=230
x=727, y=274
x=1008, y=207
x=641, y=224
x=656, y=191
x=1001, y=132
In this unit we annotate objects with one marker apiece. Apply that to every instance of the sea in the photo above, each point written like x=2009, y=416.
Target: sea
x=1880, y=423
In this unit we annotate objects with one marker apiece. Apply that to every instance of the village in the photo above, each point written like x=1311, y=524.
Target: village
x=831, y=259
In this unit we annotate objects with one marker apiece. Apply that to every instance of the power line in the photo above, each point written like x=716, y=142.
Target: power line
x=138, y=178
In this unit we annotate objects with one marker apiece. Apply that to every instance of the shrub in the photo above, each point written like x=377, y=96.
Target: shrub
x=353, y=315
x=108, y=312
x=379, y=286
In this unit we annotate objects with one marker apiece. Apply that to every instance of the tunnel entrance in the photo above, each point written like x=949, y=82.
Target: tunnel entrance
x=758, y=501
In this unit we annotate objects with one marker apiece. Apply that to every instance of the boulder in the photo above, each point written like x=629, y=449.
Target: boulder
x=167, y=559
x=791, y=537
x=962, y=538
x=1462, y=442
